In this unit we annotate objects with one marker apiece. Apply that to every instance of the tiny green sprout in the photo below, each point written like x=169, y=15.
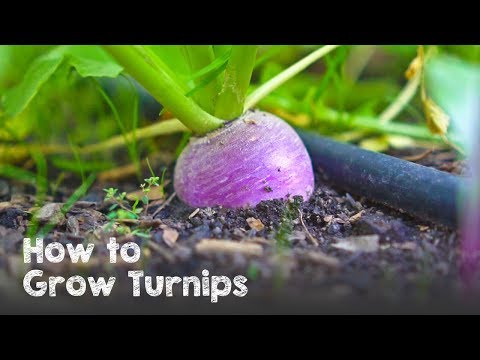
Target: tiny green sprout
x=153, y=180
x=136, y=209
x=123, y=229
x=111, y=192
x=119, y=202
x=142, y=233
x=253, y=271
x=126, y=214
x=112, y=215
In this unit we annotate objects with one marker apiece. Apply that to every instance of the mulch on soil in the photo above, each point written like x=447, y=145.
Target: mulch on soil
x=335, y=244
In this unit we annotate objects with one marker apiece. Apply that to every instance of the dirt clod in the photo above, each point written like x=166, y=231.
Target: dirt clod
x=366, y=243
x=50, y=213
x=255, y=224
x=11, y=217
x=170, y=236
x=337, y=245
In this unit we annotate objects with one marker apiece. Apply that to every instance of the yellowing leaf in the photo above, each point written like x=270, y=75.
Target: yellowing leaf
x=12, y=153
x=375, y=144
x=349, y=136
x=16, y=128
x=416, y=65
x=437, y=119
x=301, y=119
x=400, y=142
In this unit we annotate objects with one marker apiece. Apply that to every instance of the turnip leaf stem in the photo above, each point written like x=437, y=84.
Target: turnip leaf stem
x=286, y=75
x=198, y=57
x=231, y=99
x=159, y=128
x=144, y=68
x=403, y=98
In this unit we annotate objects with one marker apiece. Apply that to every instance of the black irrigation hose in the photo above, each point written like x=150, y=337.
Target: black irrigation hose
x=418, y=190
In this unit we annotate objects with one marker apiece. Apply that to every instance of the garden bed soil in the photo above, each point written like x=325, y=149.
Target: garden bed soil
x=333, y=253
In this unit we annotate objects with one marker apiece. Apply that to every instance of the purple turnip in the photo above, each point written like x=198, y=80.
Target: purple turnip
x=253, y=158
x=239, y=157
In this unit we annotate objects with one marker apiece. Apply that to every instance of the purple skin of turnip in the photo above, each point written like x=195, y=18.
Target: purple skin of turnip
x=253, y=158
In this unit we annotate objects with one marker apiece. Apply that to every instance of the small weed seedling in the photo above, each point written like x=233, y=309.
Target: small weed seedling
x=122, y=211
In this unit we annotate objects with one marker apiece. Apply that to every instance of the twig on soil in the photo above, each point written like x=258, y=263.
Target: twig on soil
x=164, y=252
x=165, y=127
x=356, y=217
x=168, y=201
x=74, y=237
x=213, y=246
x=258, y=240
x=309, y=235
x=128, y=221
x=321, y=258
x=195, y=212
x=149, y=223
x=418, y=157
x=125, y=171
x=363, y=243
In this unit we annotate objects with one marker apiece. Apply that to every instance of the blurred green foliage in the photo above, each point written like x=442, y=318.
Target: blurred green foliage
x=52, y=96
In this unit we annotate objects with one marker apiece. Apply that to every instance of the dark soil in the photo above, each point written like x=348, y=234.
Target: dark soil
x=400, y=260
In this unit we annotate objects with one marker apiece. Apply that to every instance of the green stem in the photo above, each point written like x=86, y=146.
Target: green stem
x=143, y=67
x=372, y=124
x=401, y=101
x=286, y=75
x=160, y=128
x=231, y=99
x=199, y=57
x=345, y=120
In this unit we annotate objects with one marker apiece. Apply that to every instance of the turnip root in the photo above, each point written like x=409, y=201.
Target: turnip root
x=253, y=158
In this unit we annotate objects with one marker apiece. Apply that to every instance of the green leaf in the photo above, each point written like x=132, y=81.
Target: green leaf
x=78, y=193
x=73, y=165
x=13, y=172
x=4, y=57
x=124, y=214
x=407, y=51
x=87, y=60
x=91, y=60
x=220, y=63
x=42, y=176
x=455, y=85
x=173, y=57
x=134, y=206
x=17, y=99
